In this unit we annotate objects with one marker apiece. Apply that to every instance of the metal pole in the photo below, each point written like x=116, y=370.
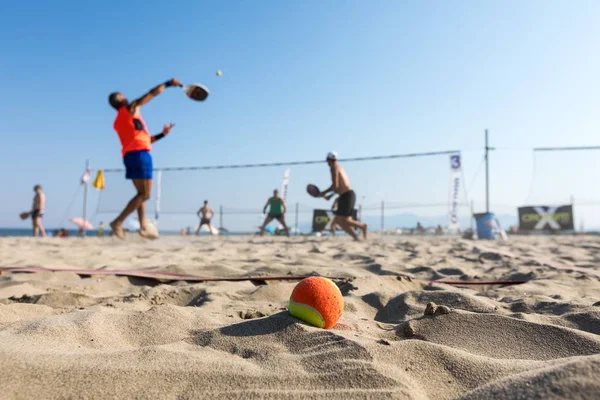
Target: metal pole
x=382, y=215
x=85, y=192
x=296, y=226
x=472, y=215
x=573, y=215
x=487, y=174
x=220, y=217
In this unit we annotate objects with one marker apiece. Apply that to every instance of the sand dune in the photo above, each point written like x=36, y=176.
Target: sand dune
x=103, y=336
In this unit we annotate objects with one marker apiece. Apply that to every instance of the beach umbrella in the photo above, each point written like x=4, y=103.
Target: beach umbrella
x=81, y=224
x=134, y=223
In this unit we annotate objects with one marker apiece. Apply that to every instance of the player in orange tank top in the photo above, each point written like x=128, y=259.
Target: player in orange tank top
x=136, y=144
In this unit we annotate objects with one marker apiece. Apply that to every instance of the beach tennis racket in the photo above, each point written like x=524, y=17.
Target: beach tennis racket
x=24, y=215
x=195, y=92
x=313, y=190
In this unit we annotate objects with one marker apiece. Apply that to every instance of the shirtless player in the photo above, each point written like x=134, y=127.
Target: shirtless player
x=37, y=211
x=207, y=214
x=340, y=184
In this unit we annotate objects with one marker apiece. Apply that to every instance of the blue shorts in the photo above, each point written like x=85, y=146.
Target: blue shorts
x=138, y=165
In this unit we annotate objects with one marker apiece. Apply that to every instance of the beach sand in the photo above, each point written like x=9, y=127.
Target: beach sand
x=99, y=337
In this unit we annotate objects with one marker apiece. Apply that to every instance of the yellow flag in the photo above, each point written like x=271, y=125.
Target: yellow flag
x=99, y=181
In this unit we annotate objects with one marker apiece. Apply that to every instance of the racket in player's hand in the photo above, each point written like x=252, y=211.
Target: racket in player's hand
x=313, y=190
x=194, y=91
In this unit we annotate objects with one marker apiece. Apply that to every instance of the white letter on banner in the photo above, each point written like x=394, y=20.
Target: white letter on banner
x=284, y=184
x=547, y=218
x=455, y=172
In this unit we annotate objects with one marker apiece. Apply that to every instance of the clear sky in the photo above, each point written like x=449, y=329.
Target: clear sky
x=301, y=78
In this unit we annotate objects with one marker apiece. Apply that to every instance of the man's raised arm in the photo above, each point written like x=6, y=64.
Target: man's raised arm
x=145, y=99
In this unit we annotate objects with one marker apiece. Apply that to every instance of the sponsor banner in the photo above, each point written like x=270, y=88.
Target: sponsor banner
x=284, y=184
x=538, y=218
x=455, y=173
x=322, y=220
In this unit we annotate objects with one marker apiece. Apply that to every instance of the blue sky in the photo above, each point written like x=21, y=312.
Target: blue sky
x=301, y=78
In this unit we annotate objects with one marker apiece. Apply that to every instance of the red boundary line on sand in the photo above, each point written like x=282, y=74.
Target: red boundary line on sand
x=160, y=276
x=174, y=276
x=479, y=282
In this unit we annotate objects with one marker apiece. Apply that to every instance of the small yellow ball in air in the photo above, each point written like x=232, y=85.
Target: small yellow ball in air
x=219, y=73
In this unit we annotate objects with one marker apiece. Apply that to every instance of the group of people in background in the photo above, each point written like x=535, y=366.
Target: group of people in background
x=136, y=144
x=343, y=205
x=37, y=213
x=343, y=208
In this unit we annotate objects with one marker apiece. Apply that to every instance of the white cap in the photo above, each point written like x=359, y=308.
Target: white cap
x=332, y=155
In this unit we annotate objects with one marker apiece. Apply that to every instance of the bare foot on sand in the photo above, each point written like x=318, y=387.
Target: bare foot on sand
x=148, y=234
x=364, y=230
x=148, y=231
x=117, y=230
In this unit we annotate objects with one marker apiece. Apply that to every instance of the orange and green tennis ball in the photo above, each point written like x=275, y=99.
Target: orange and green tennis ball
x=317, y=301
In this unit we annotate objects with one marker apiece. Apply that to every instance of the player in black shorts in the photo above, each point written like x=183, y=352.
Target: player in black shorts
x=205, y=213
x=340, y=184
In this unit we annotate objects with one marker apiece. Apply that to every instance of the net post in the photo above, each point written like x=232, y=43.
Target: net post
x=382, y=215
x=85, y=193
x=573, y=215
x=158, y=187
x=472, y=215
x=221, y=217
x=296, y=224
x=487, y=174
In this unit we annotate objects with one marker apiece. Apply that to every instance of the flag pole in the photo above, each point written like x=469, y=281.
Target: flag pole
x=85, y=193
x=487, y=174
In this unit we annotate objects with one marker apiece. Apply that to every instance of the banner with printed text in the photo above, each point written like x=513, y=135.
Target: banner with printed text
x=546, y=218
x=455, y=174
x=284, y=184
x=322, y=220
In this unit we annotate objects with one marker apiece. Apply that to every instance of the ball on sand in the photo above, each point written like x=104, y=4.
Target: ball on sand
x=219, y=73
x=317, y=301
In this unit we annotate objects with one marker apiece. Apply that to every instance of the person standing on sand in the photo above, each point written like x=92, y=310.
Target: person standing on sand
x=205, y=214
x=136, y=145
x=37, y=211
x=340, y=184
x=277, y=210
